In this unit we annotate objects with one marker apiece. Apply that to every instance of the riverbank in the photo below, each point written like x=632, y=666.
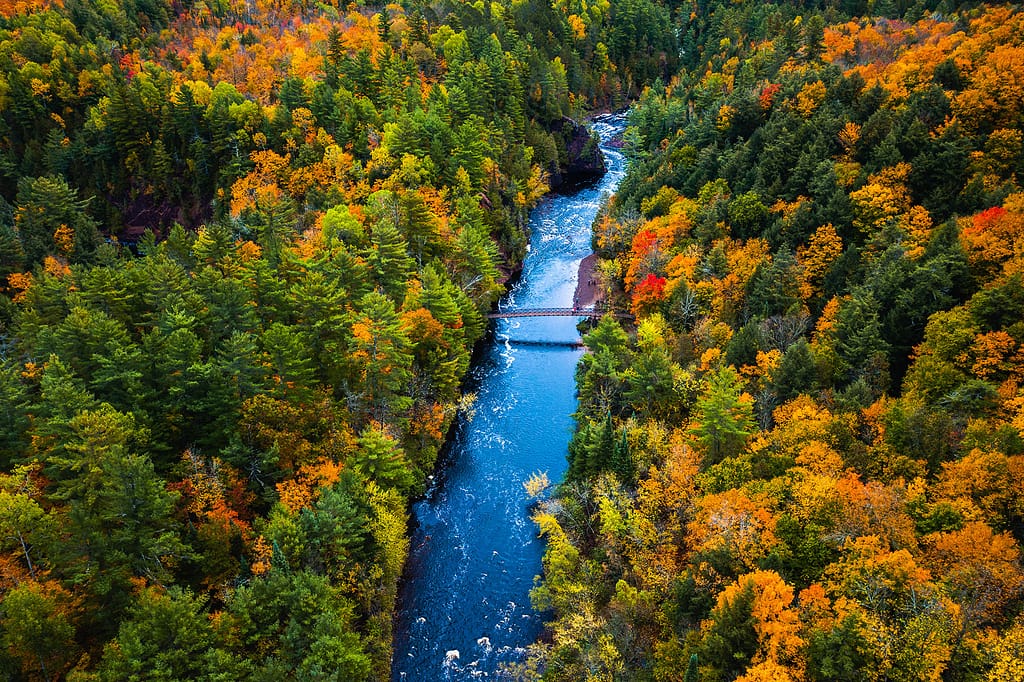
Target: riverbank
x=464, y=605
x=588, y=291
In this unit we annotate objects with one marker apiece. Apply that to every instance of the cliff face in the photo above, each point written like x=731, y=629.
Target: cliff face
x=582, y=160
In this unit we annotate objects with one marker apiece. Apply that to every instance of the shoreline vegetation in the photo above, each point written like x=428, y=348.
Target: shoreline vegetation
x=801, y=463
x=245, y=253
x=246, y=249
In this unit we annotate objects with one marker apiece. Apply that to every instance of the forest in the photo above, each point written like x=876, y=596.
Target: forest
x=803, y=462
x=245, y=252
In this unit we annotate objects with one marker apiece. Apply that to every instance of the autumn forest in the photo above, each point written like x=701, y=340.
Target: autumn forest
x=247, y=248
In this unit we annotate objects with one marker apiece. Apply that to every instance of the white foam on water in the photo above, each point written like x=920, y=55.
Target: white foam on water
x=473, y=593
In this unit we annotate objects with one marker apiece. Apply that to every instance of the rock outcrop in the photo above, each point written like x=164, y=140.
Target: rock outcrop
x=583, y=159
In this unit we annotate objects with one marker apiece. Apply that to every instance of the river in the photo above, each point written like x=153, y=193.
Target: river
x=464, y=605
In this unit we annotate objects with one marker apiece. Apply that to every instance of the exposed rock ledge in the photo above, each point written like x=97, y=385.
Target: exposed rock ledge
x=584, y=161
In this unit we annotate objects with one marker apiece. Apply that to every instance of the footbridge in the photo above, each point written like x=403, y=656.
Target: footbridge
x=555, y=312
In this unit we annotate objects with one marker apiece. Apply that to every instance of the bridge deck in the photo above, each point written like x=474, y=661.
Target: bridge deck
x=554, y=312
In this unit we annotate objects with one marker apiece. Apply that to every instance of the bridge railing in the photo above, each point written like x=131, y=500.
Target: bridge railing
x=554, y=312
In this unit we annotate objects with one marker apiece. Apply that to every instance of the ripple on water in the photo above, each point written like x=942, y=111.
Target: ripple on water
x=465, y=599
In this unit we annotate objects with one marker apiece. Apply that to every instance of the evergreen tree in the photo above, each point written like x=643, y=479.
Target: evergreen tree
x=692, y=674
x=50, y=219
x=388, y=258
x=384, y=24
x=12, y=254
x=723, y=419
x=14, y=418
x=119, y=511
x=379, y=458
x=797, y=372
x=732, y=639
x=167, y=635
x=859, y=342
x=620, y=462
x=287, y=350
x=337, y=538
x=379, y=348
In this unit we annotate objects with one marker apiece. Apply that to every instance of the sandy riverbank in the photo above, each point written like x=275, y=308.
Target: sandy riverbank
x=588, y=292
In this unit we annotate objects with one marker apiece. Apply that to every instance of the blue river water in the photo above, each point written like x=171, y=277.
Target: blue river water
x=464, y=606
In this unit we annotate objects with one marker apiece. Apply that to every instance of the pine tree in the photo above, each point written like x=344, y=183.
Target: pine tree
x=14, y=418
x=335, y=55
x=418, y=225
x=384, y=24
x=319, y=306
x=337, y=536
x=796, y=373
x=275, y=227
x=213, y=242
x=380, y=459
x=288, y=354
x=159, y=616
x=724, y=418
x=621, y=463
x=418, y=29
x=859, y=341
x=119, y=514
x=601, y=448
x=48, y=215
x=12, y=255
x=379, y=349
x=388, y=258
